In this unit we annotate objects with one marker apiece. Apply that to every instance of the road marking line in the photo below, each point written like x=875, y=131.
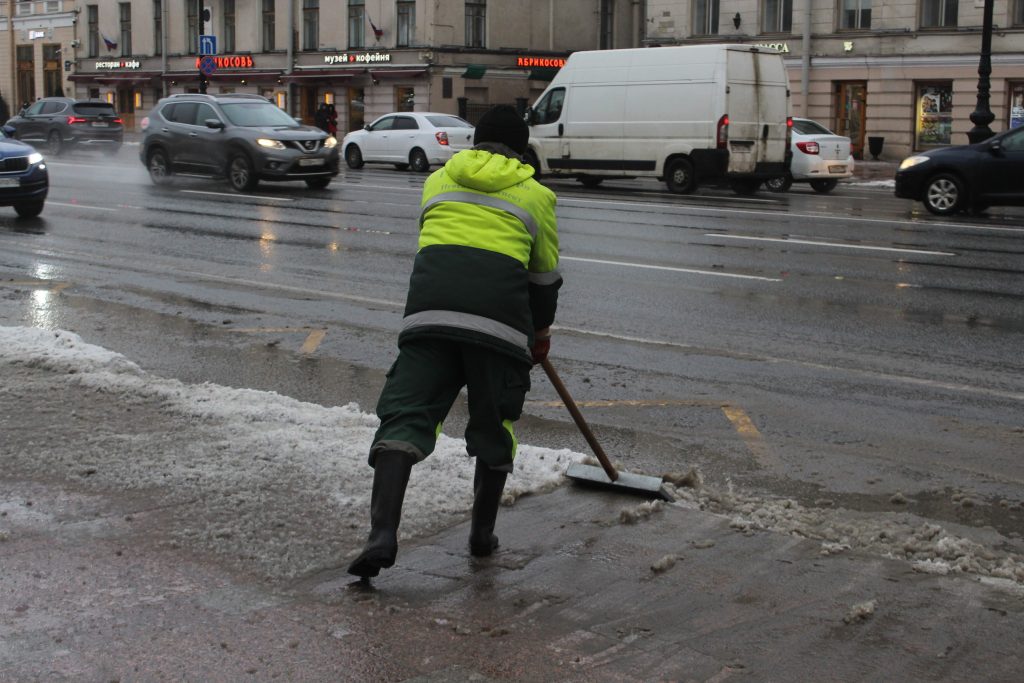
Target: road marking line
x=54, y=286
x=238, y=196
x=629, y=403
x=672, y=269
x=76, y=205
x=840, y=245
x=744, y=426
x=296, y=290
x=313, y=341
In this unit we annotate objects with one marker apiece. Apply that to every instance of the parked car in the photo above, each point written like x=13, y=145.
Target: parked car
x=966, y=177
x=409, y=140
x=24, y=180
x=820, y=157
x=244, y=138
x=57, y=124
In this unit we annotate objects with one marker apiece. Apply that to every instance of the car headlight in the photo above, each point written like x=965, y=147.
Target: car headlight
x=272, y=144
x=910, y=162
x=35, y=158
x=331, y=141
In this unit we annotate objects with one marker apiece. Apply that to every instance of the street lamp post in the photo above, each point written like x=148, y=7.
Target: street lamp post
x=982, y=114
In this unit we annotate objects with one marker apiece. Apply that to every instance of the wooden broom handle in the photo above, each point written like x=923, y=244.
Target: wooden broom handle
x=577, y=417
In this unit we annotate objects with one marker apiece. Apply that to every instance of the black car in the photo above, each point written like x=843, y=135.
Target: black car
x=245, y=138
x=24, y=180
x=966, y=177
x=60, y=123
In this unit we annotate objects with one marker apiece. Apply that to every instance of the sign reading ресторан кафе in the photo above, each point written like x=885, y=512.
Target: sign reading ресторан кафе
x=118, y=64
x=358, y=58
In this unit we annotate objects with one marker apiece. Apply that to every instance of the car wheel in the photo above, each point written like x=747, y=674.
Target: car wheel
x=318, y=183
x=418, y=161
x=54, y=145
x=824, y=186
x=679, y=176
x=159, y=168
x=29, y=209
x=401, y=167
x=591, y=181
x=746, y=186
x=943, y=194
x=353, y=156
x=780, y=183
x=531, y=160
x=240, y=173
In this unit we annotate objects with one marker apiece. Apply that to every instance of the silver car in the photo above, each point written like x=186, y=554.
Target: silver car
x=408, y=140
x=820, y=157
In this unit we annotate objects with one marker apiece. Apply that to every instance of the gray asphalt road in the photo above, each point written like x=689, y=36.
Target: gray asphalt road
x=845, y=350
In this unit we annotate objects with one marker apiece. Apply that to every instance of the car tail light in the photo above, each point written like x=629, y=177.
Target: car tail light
x=120, y=120
x=789, y=131
x=722, y=133
x=77, y=119
x=808, y=147
x=442, y=138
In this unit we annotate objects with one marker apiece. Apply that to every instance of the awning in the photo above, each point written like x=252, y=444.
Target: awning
x=222, y=74
x=323, y=75
x=124, y=78
x=475, y=71
x=543, y=73
x=411, y=72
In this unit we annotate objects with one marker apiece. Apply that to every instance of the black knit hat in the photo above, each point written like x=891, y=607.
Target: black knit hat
x=502, y=124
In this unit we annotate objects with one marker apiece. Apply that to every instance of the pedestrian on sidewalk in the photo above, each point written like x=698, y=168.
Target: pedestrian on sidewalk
x=481, y=300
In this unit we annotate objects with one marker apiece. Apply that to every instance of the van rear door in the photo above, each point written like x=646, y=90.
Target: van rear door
x=757, y=105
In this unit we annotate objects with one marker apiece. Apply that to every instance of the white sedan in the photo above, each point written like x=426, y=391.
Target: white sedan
x=416, y=140
x=820, y=157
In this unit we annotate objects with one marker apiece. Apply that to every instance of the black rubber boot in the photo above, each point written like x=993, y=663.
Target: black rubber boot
x=390, y=477
x=487, y=487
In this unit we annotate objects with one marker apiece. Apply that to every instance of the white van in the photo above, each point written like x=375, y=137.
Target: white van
x=685, y=115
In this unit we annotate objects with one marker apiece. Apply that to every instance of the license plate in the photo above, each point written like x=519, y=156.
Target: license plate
x=9, y=182
x=837, y=169
x=311, y=162
x=99, y=124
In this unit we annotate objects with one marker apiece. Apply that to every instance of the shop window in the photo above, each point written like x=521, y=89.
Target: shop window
x=405, y=98
x=855, y=14
x=94, y=93
x=1018, y=13
x=268, y=25
x=356, y=24
x=705, y=17
x=1016, y=104
x=777, y=16
x=446, y=88
x=356, y=109
x=934, y=115
x=310, y=24
x=52, y=81
x=476, y=23
x=93, y=19
x=938, y=13
x=26, y=67
x=406, y=34
x=125, y=11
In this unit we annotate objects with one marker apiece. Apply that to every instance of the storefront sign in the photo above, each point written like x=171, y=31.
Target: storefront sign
x=358, y=58
x=231, y=61
x=119, y=64
x=781, y=47
x=541, y=62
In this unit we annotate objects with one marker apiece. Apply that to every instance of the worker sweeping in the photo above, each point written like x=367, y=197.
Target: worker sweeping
x=481, y=300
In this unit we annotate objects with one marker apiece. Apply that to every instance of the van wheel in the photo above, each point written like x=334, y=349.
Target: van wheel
x=418, y=161
x=531, y=160
x=745, y=187
x=679, y=176
x=780, y=183
x=824, y=186
x=943, y=194
x=354, y=157
x=591, y=181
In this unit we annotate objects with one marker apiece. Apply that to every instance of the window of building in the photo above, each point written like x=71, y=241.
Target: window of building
x=938, y=13
x=52, y=81
x=406, y=34
x=356, y=109
x=158, y=27
x=268, y=25
x=405, y=98
x=607, y=25
x=1016, y=104
x=125, y=10
x=934, y=114
x=476, y=23
x=193, y=28
x=25, y=57
x=705, y=17
x=356, y=24
x=310, y=24
x=1018, y=13
x=228, y=39
x=855, y=14
x=93, y=18
x=777, y=16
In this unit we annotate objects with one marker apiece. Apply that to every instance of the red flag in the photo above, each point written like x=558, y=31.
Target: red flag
x=377, y=33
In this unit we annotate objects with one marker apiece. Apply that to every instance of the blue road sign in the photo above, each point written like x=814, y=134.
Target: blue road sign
x=207, y=65
x=207, y=45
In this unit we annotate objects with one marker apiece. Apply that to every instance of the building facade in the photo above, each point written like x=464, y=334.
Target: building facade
x=367, y=57
x=904, y=71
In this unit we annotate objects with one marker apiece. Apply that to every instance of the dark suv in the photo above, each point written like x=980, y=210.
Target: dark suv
x=61, y=123
x=245, y=138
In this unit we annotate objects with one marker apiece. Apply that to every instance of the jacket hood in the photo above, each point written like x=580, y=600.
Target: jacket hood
x=485, y=171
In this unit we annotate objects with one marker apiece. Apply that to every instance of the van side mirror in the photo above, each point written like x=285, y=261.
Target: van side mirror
x=531, y=116
x=214, y=123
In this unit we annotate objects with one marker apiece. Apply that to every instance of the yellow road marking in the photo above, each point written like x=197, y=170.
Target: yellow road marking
x=313, y=341
x=744, y=426
x=56, y=287
x=313, y=337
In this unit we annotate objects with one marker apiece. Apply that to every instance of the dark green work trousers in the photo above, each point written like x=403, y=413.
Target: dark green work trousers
x=423, y=384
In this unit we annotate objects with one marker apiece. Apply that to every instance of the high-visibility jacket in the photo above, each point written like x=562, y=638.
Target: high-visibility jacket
x=487, y=266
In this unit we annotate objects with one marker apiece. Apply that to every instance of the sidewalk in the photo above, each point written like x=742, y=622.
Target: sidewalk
x=874, y=170
x=587, y=586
